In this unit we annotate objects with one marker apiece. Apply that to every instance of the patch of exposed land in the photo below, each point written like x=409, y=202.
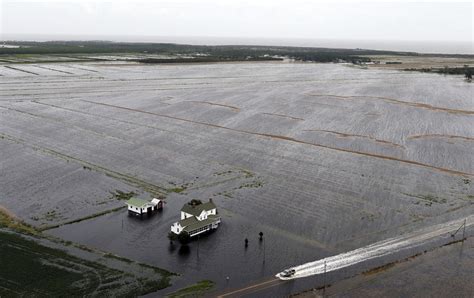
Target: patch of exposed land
x=196, y=290
x=40, y=265
x=420, y=62
x=322, y=158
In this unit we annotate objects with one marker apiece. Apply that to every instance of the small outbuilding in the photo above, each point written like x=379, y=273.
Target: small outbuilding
x=140, y=206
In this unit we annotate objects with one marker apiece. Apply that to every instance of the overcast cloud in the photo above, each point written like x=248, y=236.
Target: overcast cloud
x=423, y=21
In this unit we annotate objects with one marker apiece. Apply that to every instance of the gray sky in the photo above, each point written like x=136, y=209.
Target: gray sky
x=402, y=20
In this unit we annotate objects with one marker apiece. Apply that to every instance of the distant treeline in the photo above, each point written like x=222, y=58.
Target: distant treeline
x=212, y=53
x=446, y=70
x=205, y=60
x=218, y=53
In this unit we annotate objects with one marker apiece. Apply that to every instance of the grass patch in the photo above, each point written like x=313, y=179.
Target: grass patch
x=112, y=256
x=7, y=220
x=379, y=269
x=28, y=268
x=223, y=173
x=81, y=219
x=178, y=189
x=253, y=184
x=123, y=196
x=428, y=199
x=444, y=70
x=197, y=290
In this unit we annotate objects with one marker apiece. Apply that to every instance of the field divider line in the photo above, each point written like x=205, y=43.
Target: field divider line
x=52, y=69
x=289, y=139
x=147, y=186
x=22, y=70
x=396, y=101
x=45, y=228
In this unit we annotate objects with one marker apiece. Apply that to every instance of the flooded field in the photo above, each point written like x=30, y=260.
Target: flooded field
x=322, y=158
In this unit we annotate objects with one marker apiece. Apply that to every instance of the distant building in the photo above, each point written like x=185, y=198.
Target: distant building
x=197, y=218
x=139, y=206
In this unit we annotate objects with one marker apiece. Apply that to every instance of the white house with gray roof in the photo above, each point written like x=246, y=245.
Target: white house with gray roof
x=140, y=206
x=197, y=218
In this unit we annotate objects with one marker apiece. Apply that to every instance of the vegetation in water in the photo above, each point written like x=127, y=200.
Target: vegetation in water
x=195, y=202
x=120, y=195
x=47, y=272
x=428, y=199
x=466, y=71
x=61, y=274
x=8, y=220
x=184, y=238
x=197, y=290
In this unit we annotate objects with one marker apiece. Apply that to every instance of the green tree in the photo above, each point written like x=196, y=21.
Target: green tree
x=172, y=237
x=184, y=238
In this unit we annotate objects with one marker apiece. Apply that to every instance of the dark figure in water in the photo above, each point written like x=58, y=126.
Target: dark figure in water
x=468, y=75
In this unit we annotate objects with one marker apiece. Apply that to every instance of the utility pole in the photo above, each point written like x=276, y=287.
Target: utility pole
x=198, y=248
x=464, y=231
x=263, y=250
x=324, y=288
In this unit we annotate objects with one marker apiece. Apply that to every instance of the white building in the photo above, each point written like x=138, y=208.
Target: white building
x=139, y=206
x=197, y=218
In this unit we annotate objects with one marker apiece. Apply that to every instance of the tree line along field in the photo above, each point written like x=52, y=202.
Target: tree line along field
x=71, y=47
x=199, y=53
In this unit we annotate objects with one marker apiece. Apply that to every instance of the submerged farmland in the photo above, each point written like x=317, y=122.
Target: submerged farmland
x=323, y=158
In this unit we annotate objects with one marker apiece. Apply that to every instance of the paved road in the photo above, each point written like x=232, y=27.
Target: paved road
x=373, y=251
x=381, y=249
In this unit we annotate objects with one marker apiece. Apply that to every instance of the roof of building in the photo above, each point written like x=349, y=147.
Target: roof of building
x=136, y=202
x=188, y=221
x=196, y=210
x=196, y=224
x=155, y=201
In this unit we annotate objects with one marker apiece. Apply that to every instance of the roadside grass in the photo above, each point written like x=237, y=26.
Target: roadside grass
x=8, y=220
x=196, y=290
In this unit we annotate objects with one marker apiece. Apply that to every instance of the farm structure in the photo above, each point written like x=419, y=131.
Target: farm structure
x=197, y=218
x=140, y=206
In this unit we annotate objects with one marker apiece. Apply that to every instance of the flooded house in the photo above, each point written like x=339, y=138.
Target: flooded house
x=139, y=206
x=197, y=218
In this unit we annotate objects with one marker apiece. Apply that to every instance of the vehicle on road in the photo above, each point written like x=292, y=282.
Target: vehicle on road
x=287, y=272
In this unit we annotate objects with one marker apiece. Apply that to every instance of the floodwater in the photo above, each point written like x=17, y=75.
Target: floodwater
x=322, y=158
x=215, y=256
